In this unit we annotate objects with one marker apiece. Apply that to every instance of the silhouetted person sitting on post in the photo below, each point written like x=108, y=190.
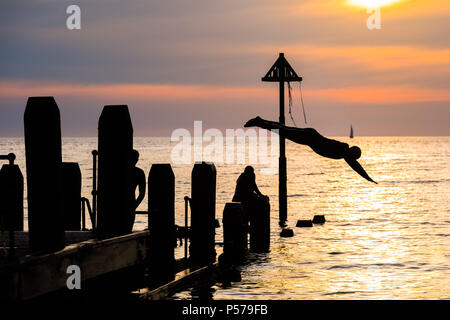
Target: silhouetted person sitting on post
x=323, y=146
x=138, y=182
x=246, y=188
x=247, y=192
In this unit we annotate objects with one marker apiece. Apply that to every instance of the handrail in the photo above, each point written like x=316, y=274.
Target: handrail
x=85, y=203
x=94, y=189
x=186, y=210
x=10, y=157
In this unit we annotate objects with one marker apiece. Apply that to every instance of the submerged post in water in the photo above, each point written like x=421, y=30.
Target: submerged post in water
x=235, y=240
x=260, y=226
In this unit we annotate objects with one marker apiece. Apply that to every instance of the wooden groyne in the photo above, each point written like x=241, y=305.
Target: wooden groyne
x=57, y=245
x=32, y=275
x=209, y=274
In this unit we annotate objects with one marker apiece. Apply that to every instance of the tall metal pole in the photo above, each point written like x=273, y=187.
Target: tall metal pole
x=282, y=72
x=282, y=184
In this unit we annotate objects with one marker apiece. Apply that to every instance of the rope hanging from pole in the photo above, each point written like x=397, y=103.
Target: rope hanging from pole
x=290, y=103
x=301, y=97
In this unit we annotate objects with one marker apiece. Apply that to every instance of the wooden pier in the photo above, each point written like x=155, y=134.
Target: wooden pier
x=191, y=277
x=34, y=275
x=31, y=276
x=42, y=261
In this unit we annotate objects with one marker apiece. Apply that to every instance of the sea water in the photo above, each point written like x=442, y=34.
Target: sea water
x=385, y=241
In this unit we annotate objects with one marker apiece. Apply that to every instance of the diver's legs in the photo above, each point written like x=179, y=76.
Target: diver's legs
x=297, y=135
x=265, y=124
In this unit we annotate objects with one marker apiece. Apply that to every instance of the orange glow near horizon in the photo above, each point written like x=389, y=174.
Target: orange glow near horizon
x=363, y=95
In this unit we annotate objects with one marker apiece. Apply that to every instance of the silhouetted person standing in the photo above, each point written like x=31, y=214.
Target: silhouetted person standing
x=323, y=146
x=138, y=182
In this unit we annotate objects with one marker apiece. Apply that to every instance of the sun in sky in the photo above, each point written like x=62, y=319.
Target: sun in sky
x=372, y=3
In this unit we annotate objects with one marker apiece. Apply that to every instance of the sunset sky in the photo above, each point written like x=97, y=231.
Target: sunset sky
x=176, y=61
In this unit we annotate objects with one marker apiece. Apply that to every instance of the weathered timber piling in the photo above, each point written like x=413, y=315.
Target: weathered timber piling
x=115, y=203
x=235, y=239
x=203, y=211
x=71, y=185
x=260, y=226
x=161, y=221
x=11, y=197
x=43, y=160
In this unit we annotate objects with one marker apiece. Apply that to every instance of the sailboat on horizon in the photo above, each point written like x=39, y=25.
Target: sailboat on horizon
x=351, y=132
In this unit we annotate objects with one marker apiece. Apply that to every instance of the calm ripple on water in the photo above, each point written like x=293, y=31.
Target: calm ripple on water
x=385, y=241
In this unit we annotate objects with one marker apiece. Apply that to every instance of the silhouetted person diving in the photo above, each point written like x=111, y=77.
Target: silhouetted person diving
x=319, y=144
x=138, y=182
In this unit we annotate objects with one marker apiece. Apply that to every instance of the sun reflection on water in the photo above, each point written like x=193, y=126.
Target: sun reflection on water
x=385, y=241
x=372, y=3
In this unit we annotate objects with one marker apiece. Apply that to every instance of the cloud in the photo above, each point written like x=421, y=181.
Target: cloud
x=205, y=58
x=216, y=42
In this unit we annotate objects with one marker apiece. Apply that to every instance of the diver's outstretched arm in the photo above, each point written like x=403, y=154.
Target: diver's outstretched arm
x=359, y=169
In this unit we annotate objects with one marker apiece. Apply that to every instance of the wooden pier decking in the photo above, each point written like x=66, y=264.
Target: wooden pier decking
x=31, y=276
x=184, y=281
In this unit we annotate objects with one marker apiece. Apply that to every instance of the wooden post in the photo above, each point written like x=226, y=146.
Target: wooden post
x=203, y=211
x=115, y=202
x=71, y=184
x=11, y=198
x=161, y=222
x=235, y=241
x=43, y=159
x=260, y=226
